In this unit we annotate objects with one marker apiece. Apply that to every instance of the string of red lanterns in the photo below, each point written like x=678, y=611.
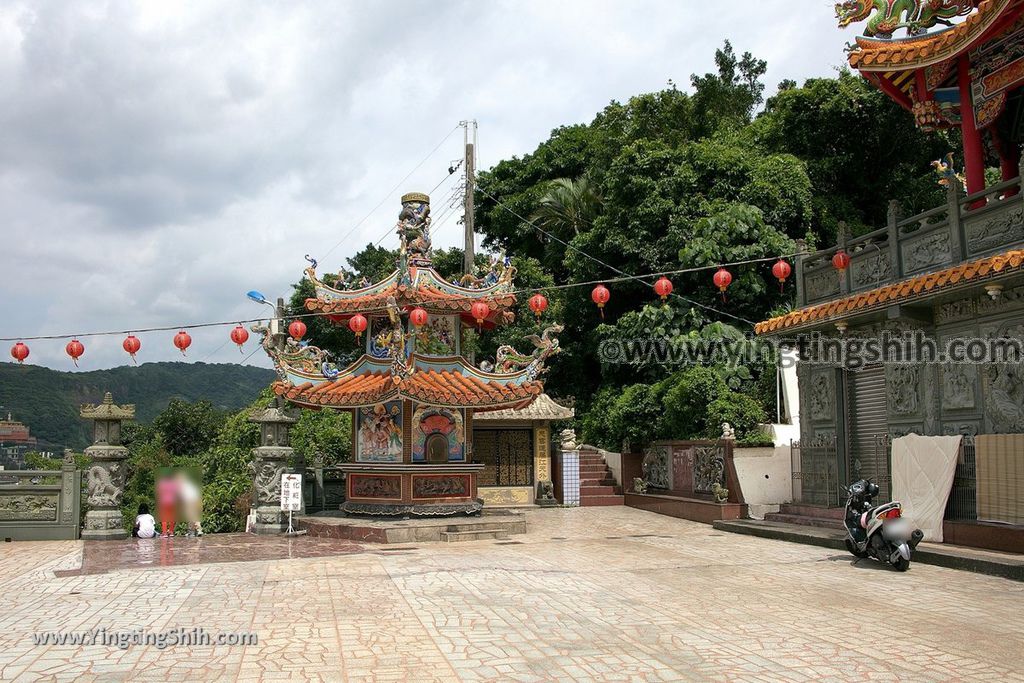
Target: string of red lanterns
x=480, y=310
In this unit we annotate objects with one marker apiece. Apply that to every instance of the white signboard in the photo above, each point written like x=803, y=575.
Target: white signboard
x=291, y=492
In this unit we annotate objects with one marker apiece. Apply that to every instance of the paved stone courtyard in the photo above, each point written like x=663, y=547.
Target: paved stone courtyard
x=588, y=594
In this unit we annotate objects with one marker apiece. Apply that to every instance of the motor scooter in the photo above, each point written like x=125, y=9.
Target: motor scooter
x=878, y=531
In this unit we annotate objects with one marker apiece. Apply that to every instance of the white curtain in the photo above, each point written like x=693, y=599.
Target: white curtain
x=922, y=477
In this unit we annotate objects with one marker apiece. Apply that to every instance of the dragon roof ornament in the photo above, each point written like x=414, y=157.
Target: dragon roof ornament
x=885, y=17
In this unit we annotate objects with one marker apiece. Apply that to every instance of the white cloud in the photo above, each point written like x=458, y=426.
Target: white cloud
x=157, y=160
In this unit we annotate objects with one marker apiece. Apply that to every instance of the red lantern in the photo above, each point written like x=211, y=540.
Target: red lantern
x=131, y=345
x=600, y=296
x=841, y=261
x=418, y=317
x=357, y=324
x=239, y=335
x=480, y=310
x=663, y=287
x=538, y=304
x=75, y=349
x=722, y=279
x=182, y=340
x=781, y=271
x=19, y=352
x=297, y=330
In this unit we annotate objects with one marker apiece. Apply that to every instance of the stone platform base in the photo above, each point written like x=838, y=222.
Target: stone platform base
x=693, y=509
x=453, y=509
x=412, y=530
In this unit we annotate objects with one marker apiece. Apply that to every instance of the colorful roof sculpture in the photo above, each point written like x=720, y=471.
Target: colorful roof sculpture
x=919, y=71
x=402, y=365
x=542, y=408
x=906, y=291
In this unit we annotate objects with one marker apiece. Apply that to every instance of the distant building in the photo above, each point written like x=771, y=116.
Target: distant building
x=15, y=442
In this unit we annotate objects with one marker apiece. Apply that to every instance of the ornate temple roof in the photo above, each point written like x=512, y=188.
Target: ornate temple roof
x=876, y=54
x=542, y=408
x=449, y=382
x=919, y=287
x=422, y=287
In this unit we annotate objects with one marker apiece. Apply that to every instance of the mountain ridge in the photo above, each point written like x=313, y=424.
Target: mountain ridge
x=48, y=400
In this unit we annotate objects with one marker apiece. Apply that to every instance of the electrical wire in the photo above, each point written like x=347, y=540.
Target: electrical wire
x=607, y=265
x=391, y=192
x=512, y=292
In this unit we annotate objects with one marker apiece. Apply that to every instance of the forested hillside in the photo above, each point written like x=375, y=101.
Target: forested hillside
x=48, y=400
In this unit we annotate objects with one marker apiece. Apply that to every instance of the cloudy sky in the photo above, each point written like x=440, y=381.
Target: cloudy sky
x=160, y=159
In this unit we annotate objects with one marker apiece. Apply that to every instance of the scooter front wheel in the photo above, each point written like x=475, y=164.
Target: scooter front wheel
x=853, y=550
x=901, y=564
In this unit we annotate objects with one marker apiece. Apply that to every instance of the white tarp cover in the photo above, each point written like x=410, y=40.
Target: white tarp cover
x=922, y=477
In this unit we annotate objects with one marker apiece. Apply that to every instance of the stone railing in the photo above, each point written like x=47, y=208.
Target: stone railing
x=40, y=505
x=966, y=227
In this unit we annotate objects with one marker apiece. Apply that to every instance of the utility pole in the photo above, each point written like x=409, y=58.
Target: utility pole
x=467, y=202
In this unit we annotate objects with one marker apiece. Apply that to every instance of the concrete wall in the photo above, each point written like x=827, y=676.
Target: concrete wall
x=766, y=477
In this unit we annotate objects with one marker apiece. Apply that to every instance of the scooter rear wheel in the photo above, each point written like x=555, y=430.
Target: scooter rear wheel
x=901, y=564
x=853, y=550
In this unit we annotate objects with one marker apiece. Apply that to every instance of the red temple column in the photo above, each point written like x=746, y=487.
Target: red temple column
x=974, y=155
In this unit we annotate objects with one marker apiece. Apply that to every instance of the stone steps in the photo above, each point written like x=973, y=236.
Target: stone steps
x=804, y=520
x=596, y=501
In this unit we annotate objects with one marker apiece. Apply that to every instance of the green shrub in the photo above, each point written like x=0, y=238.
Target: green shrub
x=741, y=411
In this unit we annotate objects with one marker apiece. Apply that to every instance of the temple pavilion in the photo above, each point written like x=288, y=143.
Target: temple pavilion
x=413, y=395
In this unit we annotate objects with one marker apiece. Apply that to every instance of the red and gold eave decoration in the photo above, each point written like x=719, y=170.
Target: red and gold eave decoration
x=722, y=280
x=182, y=341
x=75, y=349
x=538, y=304
x=239, y=335
x=19, y=352
x=297, y=330
x=600, y=296
x=781, y=270
x=357, y=324
x=131, y=345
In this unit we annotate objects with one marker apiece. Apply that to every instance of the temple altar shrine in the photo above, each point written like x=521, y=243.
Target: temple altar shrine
x=960, y=65
x=413, y=394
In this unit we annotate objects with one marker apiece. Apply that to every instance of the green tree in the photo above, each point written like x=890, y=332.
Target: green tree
x=568, y=207
x=187, y=429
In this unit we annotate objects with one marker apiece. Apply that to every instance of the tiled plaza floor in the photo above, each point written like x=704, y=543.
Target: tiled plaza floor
x=588, y=594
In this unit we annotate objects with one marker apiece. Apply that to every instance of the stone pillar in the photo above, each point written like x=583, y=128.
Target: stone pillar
x=545, y=494
x=270, y=461
x=570, y=459
x=105, y=477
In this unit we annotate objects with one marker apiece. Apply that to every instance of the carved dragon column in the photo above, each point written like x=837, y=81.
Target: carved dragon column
x=105, y=477
x=269, y=463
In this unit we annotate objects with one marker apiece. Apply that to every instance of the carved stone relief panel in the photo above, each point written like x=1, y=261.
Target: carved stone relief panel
x=952, y=311
x=823, y=396
x=871, y=271
x=904, y=390
x=994, y=232
x=822, y=284
x=927, y=252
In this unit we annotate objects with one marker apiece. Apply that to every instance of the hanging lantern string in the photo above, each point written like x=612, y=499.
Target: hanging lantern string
x=533, y=290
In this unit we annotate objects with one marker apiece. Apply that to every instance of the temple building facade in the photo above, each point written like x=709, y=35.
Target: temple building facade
x=940, y=294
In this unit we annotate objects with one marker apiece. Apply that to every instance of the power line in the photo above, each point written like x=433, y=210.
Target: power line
x=607, y=265
x=391, y=192
x=626, y=277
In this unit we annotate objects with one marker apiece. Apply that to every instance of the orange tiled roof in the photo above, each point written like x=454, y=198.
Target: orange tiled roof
x=443, y=388
x=431, y=298
x=873, y=54
x=916, y=287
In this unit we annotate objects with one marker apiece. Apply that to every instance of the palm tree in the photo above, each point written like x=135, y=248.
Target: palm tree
x=568, y=206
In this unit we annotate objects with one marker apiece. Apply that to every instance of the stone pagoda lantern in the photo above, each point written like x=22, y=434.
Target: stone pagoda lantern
x=105, y=477
x=269, y=463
